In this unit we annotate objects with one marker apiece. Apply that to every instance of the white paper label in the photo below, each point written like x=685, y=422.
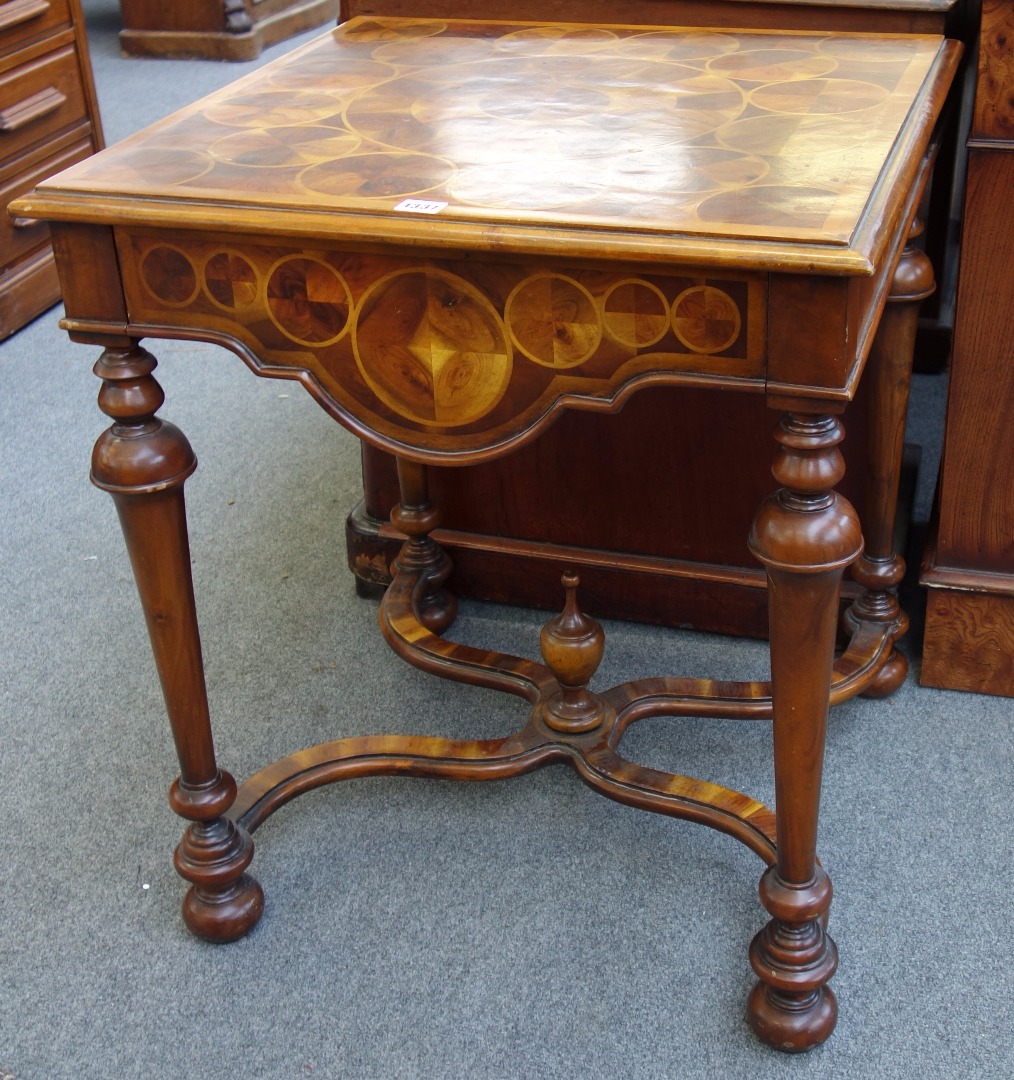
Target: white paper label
x=420, y=206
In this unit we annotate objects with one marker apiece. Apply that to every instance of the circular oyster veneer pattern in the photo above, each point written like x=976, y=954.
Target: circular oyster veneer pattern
x=635, y=313
x=272, y=109
x=230, y=281
x=283, y=148
x=431, y=347
x=553, y=320
x=706, y=319
x=169, y=276
x=377, y=176
x=308, y=301
x=772, y=206
x=817, y=97
x=772, y=65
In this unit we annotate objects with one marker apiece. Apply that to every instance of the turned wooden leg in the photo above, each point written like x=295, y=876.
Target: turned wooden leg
x=415, y=516
x=880, y=569
x=805, y=535
x=143, y=463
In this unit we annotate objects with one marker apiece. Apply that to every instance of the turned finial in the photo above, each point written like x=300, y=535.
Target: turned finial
x=572, y=644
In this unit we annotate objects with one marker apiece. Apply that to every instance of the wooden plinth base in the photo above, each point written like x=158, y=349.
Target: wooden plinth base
x=968, y=641
x=205, y=44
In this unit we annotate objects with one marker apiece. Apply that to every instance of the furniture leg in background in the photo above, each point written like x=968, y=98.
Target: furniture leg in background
x=881, y=568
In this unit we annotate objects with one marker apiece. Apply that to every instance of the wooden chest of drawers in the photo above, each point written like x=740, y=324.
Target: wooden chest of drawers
x=48, y=119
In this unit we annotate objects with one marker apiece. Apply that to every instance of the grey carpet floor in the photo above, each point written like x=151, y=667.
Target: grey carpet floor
x=422, y=929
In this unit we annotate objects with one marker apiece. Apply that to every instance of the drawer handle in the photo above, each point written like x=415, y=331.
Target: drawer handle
x=19, y=11
x=31, y=108
x=25, y=222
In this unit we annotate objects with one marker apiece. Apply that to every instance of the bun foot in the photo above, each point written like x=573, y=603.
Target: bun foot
x=223, y=902
x=791, y=1008
x=889, y=678
x=792, y=1024
x=438, y=609
x=227, y=916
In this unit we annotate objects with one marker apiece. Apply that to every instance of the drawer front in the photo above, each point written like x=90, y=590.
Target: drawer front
x=38, y=99
x=449, y=354
x=21, y=20
x=20, y=235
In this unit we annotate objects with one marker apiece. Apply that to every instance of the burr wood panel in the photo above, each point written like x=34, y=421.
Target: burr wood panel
x=969, y=565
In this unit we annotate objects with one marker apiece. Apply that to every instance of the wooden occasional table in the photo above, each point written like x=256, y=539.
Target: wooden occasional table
x=449, y=233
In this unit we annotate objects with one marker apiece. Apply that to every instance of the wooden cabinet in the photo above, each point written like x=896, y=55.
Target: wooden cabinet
x=48, y=120
x=216, y=29
x=969, y=567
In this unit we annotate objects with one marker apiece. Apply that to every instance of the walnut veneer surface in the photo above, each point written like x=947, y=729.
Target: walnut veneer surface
x=453, y=232
x=786, y=144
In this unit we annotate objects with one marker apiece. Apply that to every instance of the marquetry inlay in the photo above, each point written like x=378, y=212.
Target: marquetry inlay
x=730, y=133
x=438, y=344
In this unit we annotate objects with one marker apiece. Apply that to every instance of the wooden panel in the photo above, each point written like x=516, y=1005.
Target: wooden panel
x=450, y=354
x=27, y=288
x=48, y=120
x=205, y=16
x=196, y=15
x=547, y=490
x=994, y=100
x=968, y=643
x=801, y=353
x=969, y=637
x=976, y=527
x=89, y=273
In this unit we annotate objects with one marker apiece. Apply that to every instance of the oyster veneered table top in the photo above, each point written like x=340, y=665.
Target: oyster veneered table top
x=648, y=134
